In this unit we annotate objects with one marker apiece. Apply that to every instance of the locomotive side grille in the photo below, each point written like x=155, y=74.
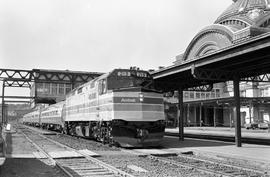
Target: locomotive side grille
x=138, y=107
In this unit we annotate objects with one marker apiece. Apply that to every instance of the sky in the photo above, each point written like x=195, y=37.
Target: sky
x=100, y=35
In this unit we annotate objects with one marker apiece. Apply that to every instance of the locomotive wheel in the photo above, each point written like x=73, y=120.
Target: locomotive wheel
x=62, y=130
x=103, y=135
x=106, y=135
x=66, y=128
x=99, y=133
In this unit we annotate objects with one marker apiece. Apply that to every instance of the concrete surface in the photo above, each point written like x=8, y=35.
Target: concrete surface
x=259, y=153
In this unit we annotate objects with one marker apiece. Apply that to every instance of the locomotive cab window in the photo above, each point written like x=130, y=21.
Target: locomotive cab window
x=102, y=87
x=129, y=78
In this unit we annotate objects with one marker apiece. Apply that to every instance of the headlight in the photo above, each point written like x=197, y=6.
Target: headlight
x=141, y=97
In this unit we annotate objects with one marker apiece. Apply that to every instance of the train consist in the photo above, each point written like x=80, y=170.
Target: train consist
x=118, y=107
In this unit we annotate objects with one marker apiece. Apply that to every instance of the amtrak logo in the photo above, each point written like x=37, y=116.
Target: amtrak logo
x=128, y=100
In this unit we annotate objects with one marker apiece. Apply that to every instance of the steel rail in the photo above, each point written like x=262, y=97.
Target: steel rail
x=48, y=156
x=189, y=166
x=196, y=167
x=180, y=164
x=209, y=171
x=96, y=161
x=223, y=164
x=112, y=168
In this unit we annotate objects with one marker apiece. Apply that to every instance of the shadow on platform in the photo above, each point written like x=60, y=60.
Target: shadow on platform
x=173, y=142
x=16, y=167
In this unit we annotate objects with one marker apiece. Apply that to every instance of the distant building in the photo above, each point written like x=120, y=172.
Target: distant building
x=51, y=86
x=14, y=111
x=50, y=92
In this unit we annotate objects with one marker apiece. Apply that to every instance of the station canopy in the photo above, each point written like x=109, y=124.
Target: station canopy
x=236, y=44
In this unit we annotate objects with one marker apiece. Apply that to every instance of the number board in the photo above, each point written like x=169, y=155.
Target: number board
x=132, y=73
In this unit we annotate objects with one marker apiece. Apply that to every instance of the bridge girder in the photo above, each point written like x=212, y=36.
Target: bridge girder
x=15, y=74
x=17, y=83
x=38, y=75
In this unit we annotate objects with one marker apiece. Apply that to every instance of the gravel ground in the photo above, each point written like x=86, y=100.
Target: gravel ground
x=80, y=143
x=217, y=167
x=155, y=168
x=122, y=160
x=260, y=166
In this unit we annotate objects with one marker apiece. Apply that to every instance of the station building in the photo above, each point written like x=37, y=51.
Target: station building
x=51, y=86
x=242, y=20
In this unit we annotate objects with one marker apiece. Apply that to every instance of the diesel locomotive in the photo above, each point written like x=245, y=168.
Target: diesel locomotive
x=118, y=107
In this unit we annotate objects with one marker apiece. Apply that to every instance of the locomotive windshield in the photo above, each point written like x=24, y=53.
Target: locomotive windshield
x=129, y=78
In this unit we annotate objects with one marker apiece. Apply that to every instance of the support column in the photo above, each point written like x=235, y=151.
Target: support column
x=3, y=102
x=73, y=82
x=200, y=115
x=206, y=122
x=249, y=109
x=181, y=114
x=230, y=114
x=188, y=116
x=36, y=95
x=195, y=115
x=237, y=111
x=215, y=114
x=176, y=123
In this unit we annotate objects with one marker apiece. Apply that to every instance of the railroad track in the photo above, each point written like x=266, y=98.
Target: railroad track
x=209, y=167
x=203, y=166
x=206, y=166
x=76, y=163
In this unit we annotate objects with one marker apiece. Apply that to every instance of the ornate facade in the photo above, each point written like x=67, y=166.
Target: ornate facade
x=242, y=20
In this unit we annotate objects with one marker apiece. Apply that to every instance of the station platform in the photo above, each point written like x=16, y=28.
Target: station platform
x=24, y=159
x=221, y=131
x=259, y=155
x=250, y=152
